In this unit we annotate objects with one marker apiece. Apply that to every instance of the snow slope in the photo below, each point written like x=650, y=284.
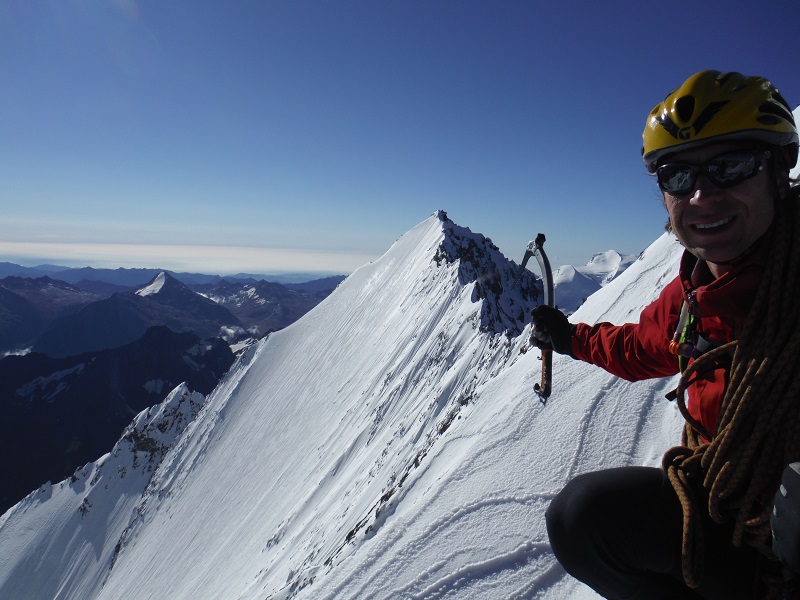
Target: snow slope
x=386, y=445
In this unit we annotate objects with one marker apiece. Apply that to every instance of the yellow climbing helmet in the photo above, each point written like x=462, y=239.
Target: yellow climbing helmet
x=712, y=106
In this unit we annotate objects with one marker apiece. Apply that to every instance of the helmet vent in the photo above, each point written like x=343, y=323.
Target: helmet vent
x=776, y=95
x=768, y=120
x=685, y=108
x=771, y=108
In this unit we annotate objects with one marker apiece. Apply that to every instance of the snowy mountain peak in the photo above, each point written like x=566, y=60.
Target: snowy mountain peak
x=493, y=275
x=156, y=285
x=168, y=291
x=165, y=285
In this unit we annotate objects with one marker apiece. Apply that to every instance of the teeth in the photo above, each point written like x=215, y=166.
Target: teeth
x=712, y=225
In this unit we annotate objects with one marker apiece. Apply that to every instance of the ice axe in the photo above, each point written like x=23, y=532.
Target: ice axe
x=536, y=248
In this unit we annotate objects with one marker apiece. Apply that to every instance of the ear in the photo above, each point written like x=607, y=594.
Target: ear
x=782, y=182
x=784, y=158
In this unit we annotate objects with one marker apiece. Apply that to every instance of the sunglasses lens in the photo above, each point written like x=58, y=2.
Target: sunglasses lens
x=675, y=179
x=725, y=170
x=730, y=169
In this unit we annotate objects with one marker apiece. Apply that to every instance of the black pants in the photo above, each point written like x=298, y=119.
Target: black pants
x=620, y=530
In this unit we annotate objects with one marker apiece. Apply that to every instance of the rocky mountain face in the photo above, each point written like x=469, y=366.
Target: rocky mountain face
x=17, y=319
x=56, y=414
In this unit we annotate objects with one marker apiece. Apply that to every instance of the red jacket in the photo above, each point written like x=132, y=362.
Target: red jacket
x=641, y=351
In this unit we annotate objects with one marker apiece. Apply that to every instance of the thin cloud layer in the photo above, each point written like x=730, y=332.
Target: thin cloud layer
x=207, y=259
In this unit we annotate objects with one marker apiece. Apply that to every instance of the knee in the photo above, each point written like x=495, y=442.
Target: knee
x=593, y=510
x=573, y=518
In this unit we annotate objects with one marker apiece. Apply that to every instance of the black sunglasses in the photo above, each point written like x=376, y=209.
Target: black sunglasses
x=724, y=170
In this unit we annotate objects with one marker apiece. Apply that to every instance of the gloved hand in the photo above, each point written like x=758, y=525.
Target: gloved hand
x=785, y=519
x=551, y=330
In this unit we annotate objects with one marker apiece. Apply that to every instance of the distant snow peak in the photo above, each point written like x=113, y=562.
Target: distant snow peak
x=154, y=286
x=605, y=266
x=575, y=284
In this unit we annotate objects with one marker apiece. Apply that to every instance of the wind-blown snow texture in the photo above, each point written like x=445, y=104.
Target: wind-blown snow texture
x=386, y=445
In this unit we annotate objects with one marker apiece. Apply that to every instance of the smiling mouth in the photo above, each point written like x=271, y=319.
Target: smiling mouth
x=714, y=225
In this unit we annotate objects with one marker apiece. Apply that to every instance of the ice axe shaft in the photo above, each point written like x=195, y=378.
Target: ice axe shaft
x=536, y=248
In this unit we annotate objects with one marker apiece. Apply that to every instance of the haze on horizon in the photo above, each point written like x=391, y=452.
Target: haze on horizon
x=212, y=260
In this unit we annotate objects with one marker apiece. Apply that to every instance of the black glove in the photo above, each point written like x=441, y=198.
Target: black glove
x=785, y=519
x=551, y=330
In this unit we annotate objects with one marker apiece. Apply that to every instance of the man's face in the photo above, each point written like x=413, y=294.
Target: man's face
x=718, y=224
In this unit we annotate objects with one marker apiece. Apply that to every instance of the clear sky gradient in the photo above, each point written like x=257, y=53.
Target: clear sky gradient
x=289, y=135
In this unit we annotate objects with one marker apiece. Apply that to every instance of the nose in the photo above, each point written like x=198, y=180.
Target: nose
x=705, y=192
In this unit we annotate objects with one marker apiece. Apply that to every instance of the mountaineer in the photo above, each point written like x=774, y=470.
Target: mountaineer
x=714, y=521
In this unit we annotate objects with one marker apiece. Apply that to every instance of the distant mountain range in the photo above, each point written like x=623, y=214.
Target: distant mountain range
x=124, y=317
x=29, y=306
x=263, y=306
x=62, y=317
x=131, y=278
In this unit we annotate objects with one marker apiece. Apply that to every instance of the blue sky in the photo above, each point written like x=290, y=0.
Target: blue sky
x=277, y=135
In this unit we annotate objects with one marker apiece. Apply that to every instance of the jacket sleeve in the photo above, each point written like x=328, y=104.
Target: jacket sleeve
x=634, y=351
